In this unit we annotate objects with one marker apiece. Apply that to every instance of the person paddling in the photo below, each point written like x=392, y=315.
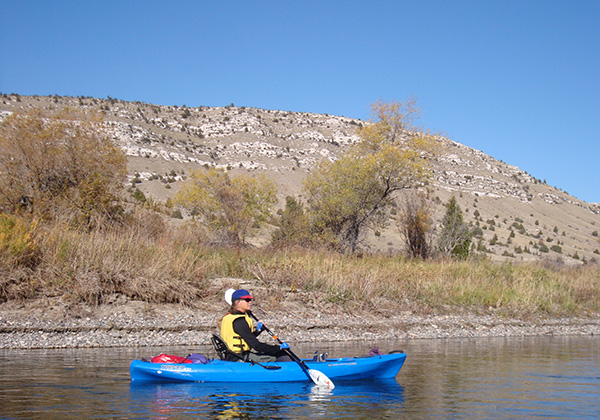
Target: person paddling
x=240, y=333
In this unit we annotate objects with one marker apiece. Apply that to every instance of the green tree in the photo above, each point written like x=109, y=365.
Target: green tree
x=231, y=207
x=353, y=193
x=455, y=237
x=294, y=229
x=60, y=166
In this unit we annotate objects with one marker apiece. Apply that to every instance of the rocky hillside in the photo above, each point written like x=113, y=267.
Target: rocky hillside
x=519, y=217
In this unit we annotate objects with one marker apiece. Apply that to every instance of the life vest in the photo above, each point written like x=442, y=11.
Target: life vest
x=235, y=343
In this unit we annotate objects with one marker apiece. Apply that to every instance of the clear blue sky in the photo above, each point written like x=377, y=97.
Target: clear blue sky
x=517, y=79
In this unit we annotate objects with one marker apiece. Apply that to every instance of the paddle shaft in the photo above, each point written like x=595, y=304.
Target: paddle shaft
x=319, y=378
x=288, y=351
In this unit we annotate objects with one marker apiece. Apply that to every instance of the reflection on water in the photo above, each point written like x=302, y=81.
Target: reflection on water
x=516, y=378
x=294, y=400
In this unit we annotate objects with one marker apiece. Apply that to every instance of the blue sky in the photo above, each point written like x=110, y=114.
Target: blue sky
x=517, y=79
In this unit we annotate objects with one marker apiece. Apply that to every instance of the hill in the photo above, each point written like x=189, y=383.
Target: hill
x=520, y=218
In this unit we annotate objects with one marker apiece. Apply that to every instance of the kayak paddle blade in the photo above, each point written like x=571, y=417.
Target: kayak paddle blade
x=320, y=379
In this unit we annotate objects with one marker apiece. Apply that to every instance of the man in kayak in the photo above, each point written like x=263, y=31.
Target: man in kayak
x=240, y=333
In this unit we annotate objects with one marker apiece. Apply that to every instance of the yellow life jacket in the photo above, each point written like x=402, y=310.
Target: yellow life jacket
x=235, y=343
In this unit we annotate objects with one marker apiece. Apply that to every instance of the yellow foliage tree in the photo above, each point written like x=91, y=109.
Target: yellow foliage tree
x=59, y=165
x=353, y=193
x=231, y=207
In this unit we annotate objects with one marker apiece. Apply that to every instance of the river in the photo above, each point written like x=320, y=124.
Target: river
x=492, y=378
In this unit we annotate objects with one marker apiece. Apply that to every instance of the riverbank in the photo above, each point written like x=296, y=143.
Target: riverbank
x=51, y=324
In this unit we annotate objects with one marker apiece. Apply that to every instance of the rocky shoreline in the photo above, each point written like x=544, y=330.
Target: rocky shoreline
x=136, y=324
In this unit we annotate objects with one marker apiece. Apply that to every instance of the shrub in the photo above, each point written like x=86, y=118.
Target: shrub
x=519, y=227
x=53, y=164
x=415, y=227
x=18, y=246
x=494, y=240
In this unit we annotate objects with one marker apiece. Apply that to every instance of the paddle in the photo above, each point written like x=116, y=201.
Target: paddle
x=319, y=378
x=221, y=348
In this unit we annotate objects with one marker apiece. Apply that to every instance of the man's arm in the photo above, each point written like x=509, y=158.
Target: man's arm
x=241, y=327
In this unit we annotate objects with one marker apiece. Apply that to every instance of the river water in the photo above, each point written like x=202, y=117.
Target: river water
x=491, y=378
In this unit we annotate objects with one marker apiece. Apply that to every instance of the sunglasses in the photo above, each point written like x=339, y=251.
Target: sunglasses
x=247, y=300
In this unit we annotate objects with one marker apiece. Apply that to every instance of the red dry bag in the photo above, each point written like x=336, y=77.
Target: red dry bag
x=169, y=358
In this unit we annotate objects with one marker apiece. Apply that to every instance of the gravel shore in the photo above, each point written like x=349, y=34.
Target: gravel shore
x=44, y=324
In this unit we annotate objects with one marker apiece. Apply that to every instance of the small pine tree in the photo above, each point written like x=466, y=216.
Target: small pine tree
x=455, y=237
x=293, y=225
x=139, y=195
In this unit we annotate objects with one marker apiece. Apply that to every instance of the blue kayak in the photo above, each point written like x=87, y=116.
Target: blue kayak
x=215, y=371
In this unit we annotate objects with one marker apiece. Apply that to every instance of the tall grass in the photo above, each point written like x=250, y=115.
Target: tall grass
x=437, y=285
x=90, y=267
x=174, y=266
